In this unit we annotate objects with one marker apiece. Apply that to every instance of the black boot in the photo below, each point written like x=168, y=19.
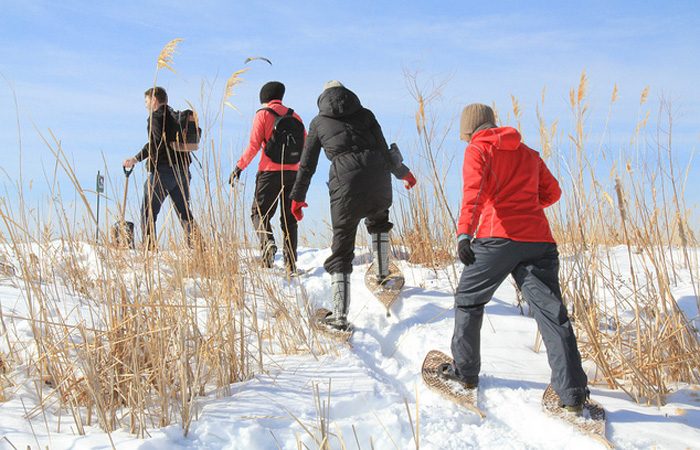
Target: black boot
x=340, y=291
x=268, y=254
x=381, y=250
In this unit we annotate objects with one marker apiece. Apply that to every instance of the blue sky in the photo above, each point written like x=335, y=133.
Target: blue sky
x=79, y=68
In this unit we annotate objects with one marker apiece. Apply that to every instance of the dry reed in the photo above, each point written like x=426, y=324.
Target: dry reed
x=154, y=330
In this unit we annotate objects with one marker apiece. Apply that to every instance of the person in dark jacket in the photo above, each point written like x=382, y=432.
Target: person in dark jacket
x=359, y=185
x=273, y=182
x=168, y=168
x=503, y=230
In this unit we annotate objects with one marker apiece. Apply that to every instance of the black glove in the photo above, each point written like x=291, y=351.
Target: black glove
x=465, y=252
x=235, y=175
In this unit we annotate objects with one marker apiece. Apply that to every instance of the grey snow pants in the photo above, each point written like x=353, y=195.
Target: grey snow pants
x=535, y=268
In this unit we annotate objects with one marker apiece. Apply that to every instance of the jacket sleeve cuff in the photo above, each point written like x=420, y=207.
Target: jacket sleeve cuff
x=401, y=172
x=463, y=236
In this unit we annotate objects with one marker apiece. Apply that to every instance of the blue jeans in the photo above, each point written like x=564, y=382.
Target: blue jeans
x=166, y=181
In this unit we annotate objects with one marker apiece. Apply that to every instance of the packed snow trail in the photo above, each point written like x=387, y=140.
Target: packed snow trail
x=370, y=385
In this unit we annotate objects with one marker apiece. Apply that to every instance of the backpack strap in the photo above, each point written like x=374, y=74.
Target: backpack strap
x=270, y=110
x=289, y=112
x=275, y=113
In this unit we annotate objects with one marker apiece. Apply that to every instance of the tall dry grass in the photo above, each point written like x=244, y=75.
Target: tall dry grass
x=635, y=215
x=427, y=216
x=152, y=331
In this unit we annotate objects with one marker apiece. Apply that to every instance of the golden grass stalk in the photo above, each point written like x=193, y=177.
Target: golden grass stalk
x=146, y=347
x=165, y=59
x=232, y=82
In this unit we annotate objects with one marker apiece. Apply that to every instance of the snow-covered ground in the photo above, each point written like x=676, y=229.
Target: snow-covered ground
x=373, y=386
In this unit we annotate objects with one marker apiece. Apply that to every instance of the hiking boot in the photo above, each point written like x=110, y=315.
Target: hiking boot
x=290, y=266
x=576, y=410
x=268, y=254
x=289, y=256
x=340, y=293
x=448, y=372
x=337, y=323
x=380, y=251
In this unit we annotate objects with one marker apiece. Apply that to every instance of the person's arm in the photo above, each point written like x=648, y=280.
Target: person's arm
x=394, y=162
x=549, y=190
x=307, y=164
x=474, y=191
x=143, y=154
x=130, y=162
x=257, y=138
x=155, y=139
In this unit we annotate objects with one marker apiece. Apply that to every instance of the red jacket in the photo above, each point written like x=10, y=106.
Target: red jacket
x=260, y=134
x=506, y=187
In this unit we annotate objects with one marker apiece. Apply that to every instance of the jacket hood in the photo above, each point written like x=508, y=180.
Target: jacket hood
x=338, y=102
x=505, y=138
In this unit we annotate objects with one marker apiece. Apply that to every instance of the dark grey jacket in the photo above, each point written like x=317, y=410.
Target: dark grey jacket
x=162, y=129
x=359, y=179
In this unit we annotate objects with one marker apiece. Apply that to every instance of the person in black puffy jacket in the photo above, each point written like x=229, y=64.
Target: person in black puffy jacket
x=359, y=185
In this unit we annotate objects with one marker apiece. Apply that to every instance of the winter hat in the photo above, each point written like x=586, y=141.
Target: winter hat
x=273, y=90
x=475, y=117
x=332, y=83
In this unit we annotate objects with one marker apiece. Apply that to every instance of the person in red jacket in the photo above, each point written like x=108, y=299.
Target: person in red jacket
x=273, y=182
x=503, y=230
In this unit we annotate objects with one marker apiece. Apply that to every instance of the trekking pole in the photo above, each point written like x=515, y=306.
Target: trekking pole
x=100, y=188
x=127, y=172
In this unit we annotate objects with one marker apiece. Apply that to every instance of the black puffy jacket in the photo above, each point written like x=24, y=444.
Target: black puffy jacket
x=359, y=178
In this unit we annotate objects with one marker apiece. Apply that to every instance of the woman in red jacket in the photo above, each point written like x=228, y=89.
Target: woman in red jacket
x=273, y=182
x=503, y=230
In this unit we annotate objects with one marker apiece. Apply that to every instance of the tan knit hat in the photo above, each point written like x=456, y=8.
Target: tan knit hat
x=332, y=83
x=473, y=116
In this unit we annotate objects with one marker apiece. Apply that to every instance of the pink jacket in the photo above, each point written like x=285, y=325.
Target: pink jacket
x=260, y=134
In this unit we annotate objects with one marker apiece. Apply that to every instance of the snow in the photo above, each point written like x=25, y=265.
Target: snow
x=373, y=386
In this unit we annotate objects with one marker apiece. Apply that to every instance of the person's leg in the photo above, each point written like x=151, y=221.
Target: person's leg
x=153, y=197
x=538, y=282
x=339, y=265
x=494, y=262
x=342, y=248
x=378, y=227
x=177, y=185
x=288, y=222
x=268, y=188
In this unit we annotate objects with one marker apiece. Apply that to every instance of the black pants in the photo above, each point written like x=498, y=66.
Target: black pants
x=344, y=232
x=535, y=268
x=166, y=182
x=272, y=188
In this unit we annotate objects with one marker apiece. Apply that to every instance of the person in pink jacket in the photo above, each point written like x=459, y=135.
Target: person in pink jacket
x=273, y=182
x=503, y=231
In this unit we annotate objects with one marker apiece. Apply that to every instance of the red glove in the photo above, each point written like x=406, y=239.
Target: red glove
x=296, y=209
x=409, y=180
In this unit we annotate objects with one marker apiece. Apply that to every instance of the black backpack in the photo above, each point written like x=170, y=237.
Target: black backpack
x=287, y=141
x=188, y=132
